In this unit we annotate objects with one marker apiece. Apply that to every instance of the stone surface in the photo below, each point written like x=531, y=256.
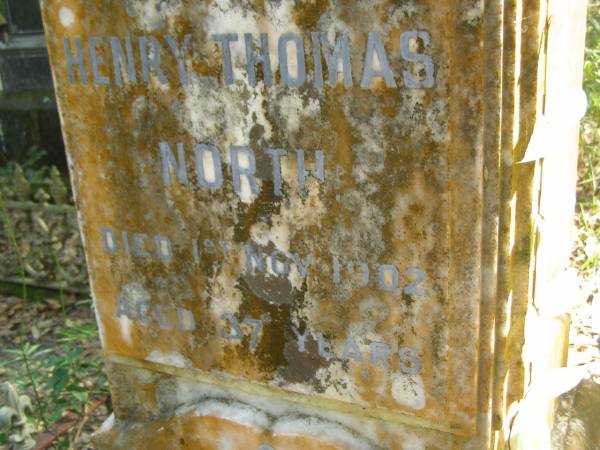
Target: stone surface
x=290, y=212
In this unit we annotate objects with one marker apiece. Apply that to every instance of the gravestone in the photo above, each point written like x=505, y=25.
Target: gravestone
x=28, y=113
x=296, y=215
x=24, y=16
x=23, y=57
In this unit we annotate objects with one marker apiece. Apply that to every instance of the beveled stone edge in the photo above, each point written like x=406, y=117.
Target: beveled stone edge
x=305, y=400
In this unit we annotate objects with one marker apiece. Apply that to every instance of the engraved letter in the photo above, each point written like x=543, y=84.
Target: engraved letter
x=301, y=339
x=341, y=51
x=160, y=317
x=375, y=46
x=414, y=287
x=262, y=58
x=179, y=54
x=364, y=272
x=323, y=350
x=195, y=251
x=97, y=61
x=302, y=267
x=164, y=249
x=411, y=56
x=210, y=246
x=109, y=240
x=247, y=169
x=125, y=242
x=276, y=154
x=410, y=362
x=150, y=57
x=225, y=40
x=138, y=245
x=255, y=331
x=123, y=308
x=170, y=162
x=123, y=58
x=208, y=156
x=351, y=350
x=319, y=171
x=388, y=278
x=224, y=246
x=284, y=69
x=142, y=307
x=75, y=61
x=336, y=270
x=186, y=320
x=380, y=352
x=252, y=257
x=281, y=266
x=233, y=324
x=318, y=66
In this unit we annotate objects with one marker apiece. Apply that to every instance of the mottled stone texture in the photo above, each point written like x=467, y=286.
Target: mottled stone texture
x=289, y=211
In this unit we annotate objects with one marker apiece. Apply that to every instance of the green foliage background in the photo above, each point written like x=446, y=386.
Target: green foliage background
x=587, y=252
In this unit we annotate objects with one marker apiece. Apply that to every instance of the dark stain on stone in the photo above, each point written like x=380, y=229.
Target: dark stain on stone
x=301, y=366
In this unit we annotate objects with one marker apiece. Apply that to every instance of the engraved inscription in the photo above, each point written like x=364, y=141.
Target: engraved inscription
x=139, y=59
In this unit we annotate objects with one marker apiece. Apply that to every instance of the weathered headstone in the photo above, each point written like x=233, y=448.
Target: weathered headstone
x=23, y=56
x=29, y=118
x=24, y=16
x=296, y=214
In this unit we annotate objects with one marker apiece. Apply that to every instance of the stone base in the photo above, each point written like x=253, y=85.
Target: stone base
x=199, y=429
x=159, y=410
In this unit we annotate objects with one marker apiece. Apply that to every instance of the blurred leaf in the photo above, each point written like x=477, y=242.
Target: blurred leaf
x=58, y=381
